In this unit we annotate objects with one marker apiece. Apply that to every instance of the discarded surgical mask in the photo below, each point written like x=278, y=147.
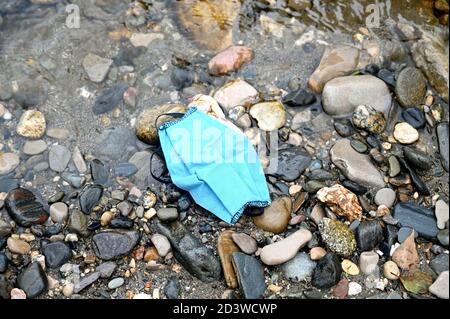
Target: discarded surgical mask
x=215, y=163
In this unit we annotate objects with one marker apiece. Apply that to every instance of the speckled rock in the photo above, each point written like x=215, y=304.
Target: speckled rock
x=31, y=124
x=341, y=201
x=299, y=268
x=338, y=237
x=368, y=119
x=410, y=87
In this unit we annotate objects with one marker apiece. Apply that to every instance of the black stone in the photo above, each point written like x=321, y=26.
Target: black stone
x=417, y=158
x=291, y=164
x=181, y=78
x=3, y=263
x=109, y=99
x=183, y=203
x=344, y=128
x=414, y=117
x=125, y=169
x=25, y=208
x=122, y=222
x=442, y=132
x=300, y=97
x=56, y=254
x=321, y=175
x=172, y=288
x=190, y=252
x=368, y=235
x=327, y=273
x=89, y=197
x=390, y=234
x=355, y=188
x=33, y=280
x=373, y=141
x=53, y=230
x=250, y=274
x=419, y=218
x=109, y=245
x=94, y=225
x=387, y=76
x=37, y=230
x=416, y=180
x=372, y=69
x=99, y=172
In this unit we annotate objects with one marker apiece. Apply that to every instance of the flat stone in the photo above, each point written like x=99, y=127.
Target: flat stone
x=226, y=248
x=350, y=267
x=286, y=249
x=299, y=268
x=112, y=143
x=116, y=283
x=386, y=197
x=58, y=158
x=338, y=237
x=417, y=158
x=161, y=243
x=336, y=61
x=96, y=67
x=196, y=258
x=276, y=217
x=8, y=163
x=34, y=147
x=79, y=161
x=99, y=172
x=327, y=273
x=145, y=39
x=250, y=274
x=17, y=246
x=86, y=282
x=292, y=163
x=89, y=197
x=109, y=245
x=230, y=60
x=167, y=215
x=440, y=287
x=56, y=254
x=106, y=269
x=342, y=95
x=404, y=233
x=405, y=133
x=58, y=133
x=33, y=280
x=125, y=169
x=414, y=117
x=355, y=166
x=78, y=223
x=410, y=87
x=406, y=256
x=25, y=208
x=245, y=242
x=299, y=97
x=270, y=116
x=31, y=124
x=59, y=212
x=236, y=93
x=440, y=263
x=417, y=217
x=109, y=99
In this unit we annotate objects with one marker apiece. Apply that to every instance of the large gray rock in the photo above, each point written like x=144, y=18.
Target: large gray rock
x=109, y=245
x=341, y=96
x=199, y=260
x=113, y=142
x=250, y=274
x=355, y=166
x=411, y=87
x=299, y=268
x=58, y=158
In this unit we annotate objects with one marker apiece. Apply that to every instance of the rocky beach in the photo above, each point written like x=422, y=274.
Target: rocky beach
x=356, y=96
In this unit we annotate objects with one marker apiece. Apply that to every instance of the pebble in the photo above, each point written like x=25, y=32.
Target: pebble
x=406, y=256
x=270, y=116
x=144, y=39
x=112, y=143
x=299, y=268
x=368, y=262
x=122, y=223
x=167, y=215
x=236, y=93
x=299, y=98
x=440, y=263
x=417, y=158
x=89, y=197
x=410, y=87
x=342, y=95
x=344, y=127
x=440, y=287
x=226, y=248
x=5, y=229
x=86, y=282
x=340, y=291
x=109, y=245
x=415, y=216
x=56, y=254
x=18, y=294
x=286, y=249
x=404, y=133
x=327, y=273
x=172, y=289
x=250, y=274
x=442, y=132
x=116, y=283
x=199, y=260
x=58, y=133
x=350, y=267
x=125, y=169
x=354, y=289
x=245, y=243
x=34, y=147
x=109, y=99
x=391, y=270
x=31, y=124
x=96, y=67
x=355, y=166
x=33, y=280
x=336, y=61
x=386, y=197
x=17, y=246
x=369, y=234
x=161, y=243
x=368, y=119
x=358, y=146
x=292, y=162
x=341, y=201
x=414, y=117
x=78, y=223
x=58, y=158
x=59, y=212
x=99, y=172
x=230, y=60
x=8, y=163
x=443, y=237
x=338, y=237
x=394, y=166
x=317, y=253
x=68, y=290
x=276, y=217
x=317, y=214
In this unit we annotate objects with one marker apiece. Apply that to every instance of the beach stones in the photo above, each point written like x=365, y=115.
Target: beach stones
x=230, y=60
x=270, y=115
x=415, y=216
x=410, y=87
x=31, y=125
x=406, y=256
x=341, y=201
x=89, y=197
x=56, y=254
x=33, y=280
x=245, y=242
x=276, y=217
x=327, y=273
x=250, y=274
x=96, y=67
x=8, y=163
x=338, y=237
x=299, y=268
x=404, y=133
x=25, y=208
x=236, y=93
x=368, y=119
x=110, y=245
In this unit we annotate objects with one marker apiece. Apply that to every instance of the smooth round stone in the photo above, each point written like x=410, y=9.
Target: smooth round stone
x=172, y=289
x=386, y=197
x=354, y=289
x=394, y=166
x=317, y=253
x=391, y=270
x=299, y=268
x=125, y=169
x=358, y=146
x=25, y=208
x=109, y=245
x=404, y=233
x=18, y=294
x=328, y=272
x=116, y=283
x=245, y=242
x=350, y=268
x=8, y=163
x=58, y=158
x=300, y=97
x=270, y=115
x=161, y=243
x=59, y=212
x=167, y=215
x=442, y=213
x=125, y=208
x=34, y=147
x=410, y=87
x=89, y=197
x=68, y=290
x=56, y=254
x=99, y=172
x=405, y=133
x=276, y=217
x=414, y=117
x=417, y=158
x=344, y=128
x=122, y=223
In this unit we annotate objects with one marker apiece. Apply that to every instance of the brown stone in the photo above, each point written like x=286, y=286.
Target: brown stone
x=406, y=256
x=341, y=289
x=230, y=60
x=317, y=253
x=341, y=201
x=226, y=247
x=17, y=246
x=276, y=217
x=151, y=255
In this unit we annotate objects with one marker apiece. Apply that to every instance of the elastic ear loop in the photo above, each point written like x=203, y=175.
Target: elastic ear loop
x=160, y=153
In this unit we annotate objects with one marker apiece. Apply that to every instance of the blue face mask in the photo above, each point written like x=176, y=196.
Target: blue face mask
x=215, y=163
